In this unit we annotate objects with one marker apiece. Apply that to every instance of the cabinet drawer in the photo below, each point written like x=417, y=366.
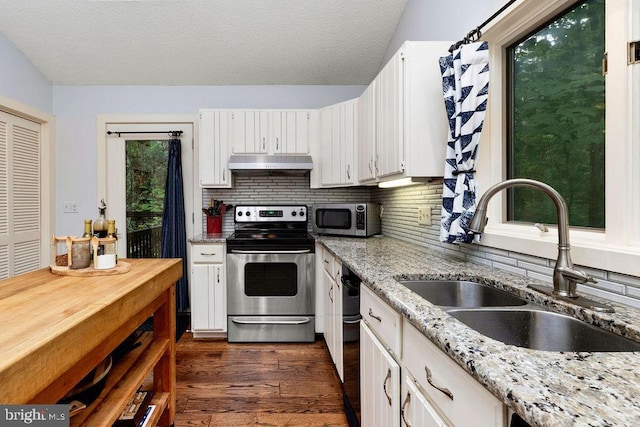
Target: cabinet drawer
x=383, y=320
x=208, y=253
x=462, y=399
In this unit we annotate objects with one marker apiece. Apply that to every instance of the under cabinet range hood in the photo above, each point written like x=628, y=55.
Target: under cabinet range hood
x=270, y=164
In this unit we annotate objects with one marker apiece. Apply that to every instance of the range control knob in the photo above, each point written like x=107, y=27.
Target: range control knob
x=301, y=213
x=248, y=213
x=293, y=213
x=239, y=213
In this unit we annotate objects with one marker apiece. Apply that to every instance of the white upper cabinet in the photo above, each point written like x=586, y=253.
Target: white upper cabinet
x=366, y=147
x=272, y=131
x=214, y=148
x=411, y=123
x=338, y=136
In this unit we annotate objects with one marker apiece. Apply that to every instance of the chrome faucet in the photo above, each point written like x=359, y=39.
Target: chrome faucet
x=565, y=276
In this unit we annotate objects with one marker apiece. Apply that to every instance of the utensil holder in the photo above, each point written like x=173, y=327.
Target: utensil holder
x=214, y=224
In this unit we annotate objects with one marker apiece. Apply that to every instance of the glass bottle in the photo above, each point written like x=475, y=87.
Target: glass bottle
x=100, y=224
x=87, y=228
x=111, y=232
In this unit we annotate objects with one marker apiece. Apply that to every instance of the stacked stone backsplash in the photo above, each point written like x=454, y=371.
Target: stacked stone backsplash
x=400, y=220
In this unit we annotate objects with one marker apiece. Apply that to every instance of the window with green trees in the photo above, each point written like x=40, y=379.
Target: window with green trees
x=557, y=117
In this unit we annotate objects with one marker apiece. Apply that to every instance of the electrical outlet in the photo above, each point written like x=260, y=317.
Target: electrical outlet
x=424, y=215
x=70, y=207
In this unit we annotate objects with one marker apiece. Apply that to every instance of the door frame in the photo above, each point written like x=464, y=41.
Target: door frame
x=106, y=121
x=47, y=169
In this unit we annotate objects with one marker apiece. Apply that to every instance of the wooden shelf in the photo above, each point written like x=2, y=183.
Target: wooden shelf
x=123, y=381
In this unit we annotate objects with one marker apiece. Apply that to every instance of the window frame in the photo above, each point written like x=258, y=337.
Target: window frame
x=617, y=248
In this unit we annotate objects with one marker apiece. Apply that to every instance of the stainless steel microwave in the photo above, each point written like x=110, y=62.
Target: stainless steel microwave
x=347, y=219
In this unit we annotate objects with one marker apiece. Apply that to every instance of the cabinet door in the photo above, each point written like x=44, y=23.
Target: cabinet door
x=218, y=299
x=296, y=132
x=379, y=383
x=337, y=319
x=367, y=135
x=416, y=409
x=338, y=134
x=390, y=117
x=329, y=312
x=326, y=154
x=201, y=278
x=245, y=134
x=214, y=148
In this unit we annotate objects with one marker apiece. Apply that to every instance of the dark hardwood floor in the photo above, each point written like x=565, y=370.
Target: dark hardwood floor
x=222, y=384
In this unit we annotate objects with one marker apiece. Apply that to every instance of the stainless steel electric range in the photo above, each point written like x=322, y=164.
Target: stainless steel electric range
x=271, y=275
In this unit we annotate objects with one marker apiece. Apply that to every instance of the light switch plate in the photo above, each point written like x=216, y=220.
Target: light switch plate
x=424, y=215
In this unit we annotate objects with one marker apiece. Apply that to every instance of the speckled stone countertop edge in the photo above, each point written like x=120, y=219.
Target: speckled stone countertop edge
x=210, y=238
x=545, y=388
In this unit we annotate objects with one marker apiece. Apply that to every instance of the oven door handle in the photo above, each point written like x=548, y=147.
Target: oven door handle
x=295, y=321
x=238, y=251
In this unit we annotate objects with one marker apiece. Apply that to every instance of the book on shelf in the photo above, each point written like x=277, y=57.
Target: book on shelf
x=135, y=411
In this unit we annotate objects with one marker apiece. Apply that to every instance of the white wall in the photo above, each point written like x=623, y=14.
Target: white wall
x=440, y=20
x=20, y=80
x=77, y=107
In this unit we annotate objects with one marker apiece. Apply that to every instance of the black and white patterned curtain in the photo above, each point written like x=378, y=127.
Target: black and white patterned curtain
x=465, y=82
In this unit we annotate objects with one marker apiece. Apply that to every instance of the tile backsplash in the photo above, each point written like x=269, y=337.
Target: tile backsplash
x=278, y=189
x=400, y=220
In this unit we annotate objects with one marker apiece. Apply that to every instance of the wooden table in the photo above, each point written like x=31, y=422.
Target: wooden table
x=55, y=329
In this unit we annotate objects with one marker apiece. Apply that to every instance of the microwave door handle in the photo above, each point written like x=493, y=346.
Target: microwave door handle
x=238, y=251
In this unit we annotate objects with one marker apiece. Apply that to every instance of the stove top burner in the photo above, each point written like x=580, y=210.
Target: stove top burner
x=274, y=227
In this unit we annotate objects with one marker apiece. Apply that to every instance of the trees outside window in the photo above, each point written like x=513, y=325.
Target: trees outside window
x=557, y=117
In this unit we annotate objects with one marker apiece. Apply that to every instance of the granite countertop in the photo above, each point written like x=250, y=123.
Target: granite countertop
x=545, y=388
x=210, y=238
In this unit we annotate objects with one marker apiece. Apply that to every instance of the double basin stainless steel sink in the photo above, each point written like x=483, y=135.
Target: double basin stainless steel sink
x=512, y=320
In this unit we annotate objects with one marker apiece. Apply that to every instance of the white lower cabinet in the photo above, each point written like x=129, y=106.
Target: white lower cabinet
x=455, y=394
x=208, y=290
x=416, y=409
x=379, y=382
x=436, y=391
x=332, y=287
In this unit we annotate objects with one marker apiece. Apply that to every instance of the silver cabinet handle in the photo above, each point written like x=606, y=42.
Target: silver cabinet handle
x=277, y=143
x=384, y=385
x=404, y=405
x=238, y=251
x=348, y=171
x=218, y=275
x=378, y=318
x=446, y=391
x=208, y=254
x=296, y=321
x=264, y=143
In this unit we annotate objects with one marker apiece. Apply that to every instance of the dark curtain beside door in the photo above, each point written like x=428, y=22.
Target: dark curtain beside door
x=174, y=235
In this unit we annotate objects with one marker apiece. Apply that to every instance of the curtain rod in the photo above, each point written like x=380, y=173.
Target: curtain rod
x=169, y=132
x=475, y=34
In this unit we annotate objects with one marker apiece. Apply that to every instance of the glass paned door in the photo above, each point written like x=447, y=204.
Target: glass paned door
x=146, y=172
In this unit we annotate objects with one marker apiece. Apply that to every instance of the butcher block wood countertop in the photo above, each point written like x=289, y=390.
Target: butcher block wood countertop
x=55, y=329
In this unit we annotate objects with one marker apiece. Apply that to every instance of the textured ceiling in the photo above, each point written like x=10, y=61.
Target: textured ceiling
x=203, y=42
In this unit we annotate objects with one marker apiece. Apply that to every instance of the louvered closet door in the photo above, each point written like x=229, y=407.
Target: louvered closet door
x=19, y=195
